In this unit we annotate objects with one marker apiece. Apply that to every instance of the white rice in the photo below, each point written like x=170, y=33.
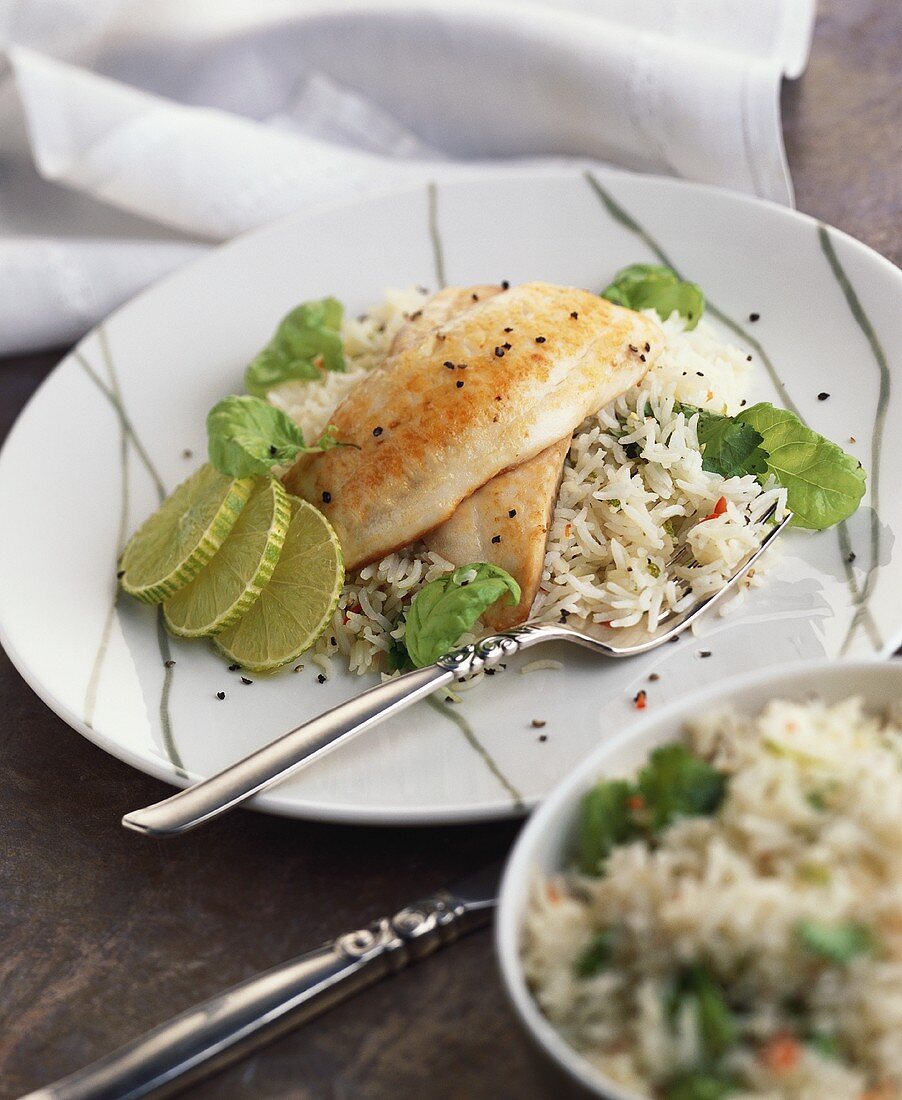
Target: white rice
x=618, y=519
x=728, y=892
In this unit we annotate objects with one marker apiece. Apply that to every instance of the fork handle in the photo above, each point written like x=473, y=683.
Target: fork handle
x=229, y=1026
x=211, y=797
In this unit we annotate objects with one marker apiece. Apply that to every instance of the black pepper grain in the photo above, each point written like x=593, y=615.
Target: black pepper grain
x=538, y=723
x=169, y=664
x=459, y=383
x=647, y=346
x=246, y=680
x=508, y=329
x=505, y=285
x=512, y=513
x=298, y=668
x=234, y=668
x=754, y=317
x=120, y=574
x=327, y=497
x=633, y=348
x=377, y=431
x=506, y=346
x=642, y=357
x=475, y=297
x=496, y=538
x=447, y=363
x=654, y=677
x=187, y=453
x=574, y=315
x=220, y=695
x=748, y=359
x=851, y=557
x=704, y=653
x=499, y=352
x=321, y=679
x=543, y=736
x=823, y=396
x=273, y=449
x=540, y=339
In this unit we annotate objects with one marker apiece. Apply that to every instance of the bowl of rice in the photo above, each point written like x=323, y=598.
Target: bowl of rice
x=711, y=905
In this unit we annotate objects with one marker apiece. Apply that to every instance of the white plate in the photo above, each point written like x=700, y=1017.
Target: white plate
x=76, y=476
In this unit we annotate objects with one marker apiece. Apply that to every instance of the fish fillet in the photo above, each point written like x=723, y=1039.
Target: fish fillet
x=515, y=508
x=485, y=391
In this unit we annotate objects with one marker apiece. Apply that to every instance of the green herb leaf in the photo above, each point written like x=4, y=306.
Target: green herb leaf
x=824, y=485
x=826, y=1044
x=676, y=783
x=307, y=341
x=653, y=286
x=836, y=942
x=605, y=820
x=448, y=607
x=700, y=1086
x=397, y=658
x=694, y=987
x=730, y=447
x=596, y=955
x=247, y=436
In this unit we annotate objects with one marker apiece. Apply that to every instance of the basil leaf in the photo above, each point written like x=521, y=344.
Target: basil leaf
x=307, y=340
x=447, y=607
x=596, y=955
x=605, y=820
x=247, y=436
x=730, y=447
x=676, y=783
x=653, y=286
x=836, y=942
x=824, y=485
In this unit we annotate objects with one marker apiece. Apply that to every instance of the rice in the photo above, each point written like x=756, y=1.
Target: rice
x=810, y=829
x=633, y=490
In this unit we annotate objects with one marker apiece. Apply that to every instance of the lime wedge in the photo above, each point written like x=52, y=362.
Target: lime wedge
x=296, y=606
x=230, y=582
x=170, y=549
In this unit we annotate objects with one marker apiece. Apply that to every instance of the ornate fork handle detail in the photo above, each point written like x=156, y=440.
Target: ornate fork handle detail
x=412, y=933
x=486, y=653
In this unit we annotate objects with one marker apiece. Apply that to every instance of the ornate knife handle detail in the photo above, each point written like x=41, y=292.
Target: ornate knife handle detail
x=486, y=653
x=411, y=933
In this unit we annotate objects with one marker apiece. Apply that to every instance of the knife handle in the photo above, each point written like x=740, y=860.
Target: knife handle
x=230, y=1025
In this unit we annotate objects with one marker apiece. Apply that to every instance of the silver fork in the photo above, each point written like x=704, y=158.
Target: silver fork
x=211, y=797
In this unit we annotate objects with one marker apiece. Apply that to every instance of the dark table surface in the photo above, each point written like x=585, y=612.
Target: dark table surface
x=103, y=934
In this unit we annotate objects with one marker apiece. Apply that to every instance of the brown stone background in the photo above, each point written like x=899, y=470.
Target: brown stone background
x=103, y=934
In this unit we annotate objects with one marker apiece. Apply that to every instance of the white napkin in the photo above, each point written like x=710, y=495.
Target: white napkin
x=132, y=134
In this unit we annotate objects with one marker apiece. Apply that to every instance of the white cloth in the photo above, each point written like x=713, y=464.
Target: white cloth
x=132, y=134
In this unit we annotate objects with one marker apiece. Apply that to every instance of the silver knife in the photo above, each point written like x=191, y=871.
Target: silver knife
x=231, y=1025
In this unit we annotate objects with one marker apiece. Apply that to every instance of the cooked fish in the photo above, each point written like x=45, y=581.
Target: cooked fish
x=441, y=307
x=483, y=392
x=506, y=522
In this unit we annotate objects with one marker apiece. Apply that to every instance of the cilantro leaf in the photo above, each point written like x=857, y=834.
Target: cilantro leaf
x=676, y=783
x=596, y=955
x=307, y=340
x=730, y=447
x=654, y=286
x=605, y=820
x=836, y=942
x=447, y=607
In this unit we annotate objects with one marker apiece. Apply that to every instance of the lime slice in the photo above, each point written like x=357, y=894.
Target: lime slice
x=227, y=586
x=296, y=606
x=170, y=549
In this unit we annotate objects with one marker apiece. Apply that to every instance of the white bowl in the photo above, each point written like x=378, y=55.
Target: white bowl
x=547, y=842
